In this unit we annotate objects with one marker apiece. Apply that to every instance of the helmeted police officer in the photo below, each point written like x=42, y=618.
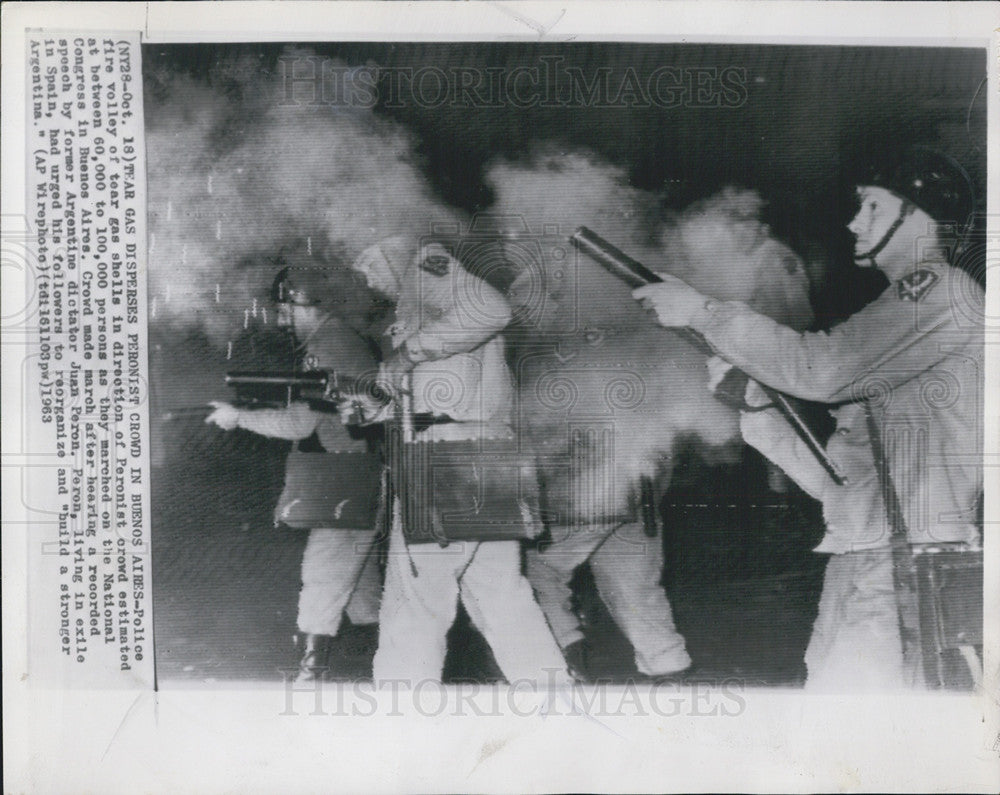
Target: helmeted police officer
x=906, y=373
x=340, y=569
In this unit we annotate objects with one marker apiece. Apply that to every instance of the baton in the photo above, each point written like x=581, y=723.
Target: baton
x=635, y=274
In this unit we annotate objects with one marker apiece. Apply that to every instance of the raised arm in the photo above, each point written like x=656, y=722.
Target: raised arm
x=825, y=366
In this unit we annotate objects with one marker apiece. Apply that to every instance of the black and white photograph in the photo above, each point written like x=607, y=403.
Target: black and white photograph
x=638, y=382
x=590, y=362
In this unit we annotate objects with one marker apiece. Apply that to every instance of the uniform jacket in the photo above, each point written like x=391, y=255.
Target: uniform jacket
x=449, y=321
x=913, y=357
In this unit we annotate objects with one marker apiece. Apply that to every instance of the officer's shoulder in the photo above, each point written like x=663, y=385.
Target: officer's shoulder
x=921, y=283
x=961, y=277
x=934, y=281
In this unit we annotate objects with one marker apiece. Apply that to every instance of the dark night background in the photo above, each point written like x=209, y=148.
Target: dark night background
x=740, y=570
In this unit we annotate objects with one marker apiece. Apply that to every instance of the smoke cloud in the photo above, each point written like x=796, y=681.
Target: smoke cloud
x=605, y=393
x=241, y=181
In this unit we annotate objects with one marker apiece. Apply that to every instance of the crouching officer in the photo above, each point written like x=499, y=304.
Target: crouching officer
x=908, y=370
x=331, y=480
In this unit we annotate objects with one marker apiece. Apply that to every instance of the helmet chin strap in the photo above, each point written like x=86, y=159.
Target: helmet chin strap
x=904, y=211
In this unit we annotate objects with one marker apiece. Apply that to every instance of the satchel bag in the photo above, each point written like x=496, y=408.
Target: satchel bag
x=476, y=490
x=332, y=490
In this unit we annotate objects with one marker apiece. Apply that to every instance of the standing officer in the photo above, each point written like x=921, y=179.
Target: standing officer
x=446, y=343
x=339, y=565
x=908, y=367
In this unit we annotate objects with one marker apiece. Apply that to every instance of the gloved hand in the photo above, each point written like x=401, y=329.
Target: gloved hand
x=359, y=409
x=717, y=369
x=225, y=415
x=755, y=395
x=674, y=301
x=370, y=403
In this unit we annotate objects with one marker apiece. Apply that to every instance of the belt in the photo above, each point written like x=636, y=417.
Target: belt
x=423, y=421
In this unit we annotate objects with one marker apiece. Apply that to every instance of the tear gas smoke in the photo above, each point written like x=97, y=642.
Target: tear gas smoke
x=604, y=391
x=239, y=185
x=239, y=182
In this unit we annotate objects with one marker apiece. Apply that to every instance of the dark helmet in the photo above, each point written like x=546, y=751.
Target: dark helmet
x=934, y=182
x=302, y=286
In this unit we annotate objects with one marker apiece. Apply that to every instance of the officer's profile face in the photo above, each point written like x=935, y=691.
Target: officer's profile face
x=297, y=319
x=285, y=319
x=878, y=210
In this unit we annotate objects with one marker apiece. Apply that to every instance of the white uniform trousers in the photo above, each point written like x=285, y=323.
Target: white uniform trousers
x=627, y=566
x=423, y=583
x=855, y=644
x=339, y=572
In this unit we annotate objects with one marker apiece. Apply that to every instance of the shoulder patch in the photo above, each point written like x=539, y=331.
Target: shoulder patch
x=435, y=264
x=915, y=286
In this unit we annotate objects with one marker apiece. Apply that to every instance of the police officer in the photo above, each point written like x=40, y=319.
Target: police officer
x=907, y=371
x=339, y=566
x=448, y=351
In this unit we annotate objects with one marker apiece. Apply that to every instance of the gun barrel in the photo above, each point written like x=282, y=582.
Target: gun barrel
x=316, y=378
x=186, y=411
x=635, y=274
x=630, y=271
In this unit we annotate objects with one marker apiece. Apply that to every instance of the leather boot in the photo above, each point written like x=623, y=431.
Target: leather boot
x=315, y=657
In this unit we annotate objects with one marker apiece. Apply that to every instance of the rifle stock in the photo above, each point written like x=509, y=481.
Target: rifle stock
x=202, y=411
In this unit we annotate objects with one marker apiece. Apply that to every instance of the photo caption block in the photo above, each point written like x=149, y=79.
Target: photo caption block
x=87, y=423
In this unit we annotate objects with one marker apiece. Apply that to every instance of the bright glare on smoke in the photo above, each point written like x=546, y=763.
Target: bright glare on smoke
x=633, y=387
x=236, y=180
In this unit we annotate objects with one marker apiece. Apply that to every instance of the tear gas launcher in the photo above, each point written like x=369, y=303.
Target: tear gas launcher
x=323, y=390
x=733, y=387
